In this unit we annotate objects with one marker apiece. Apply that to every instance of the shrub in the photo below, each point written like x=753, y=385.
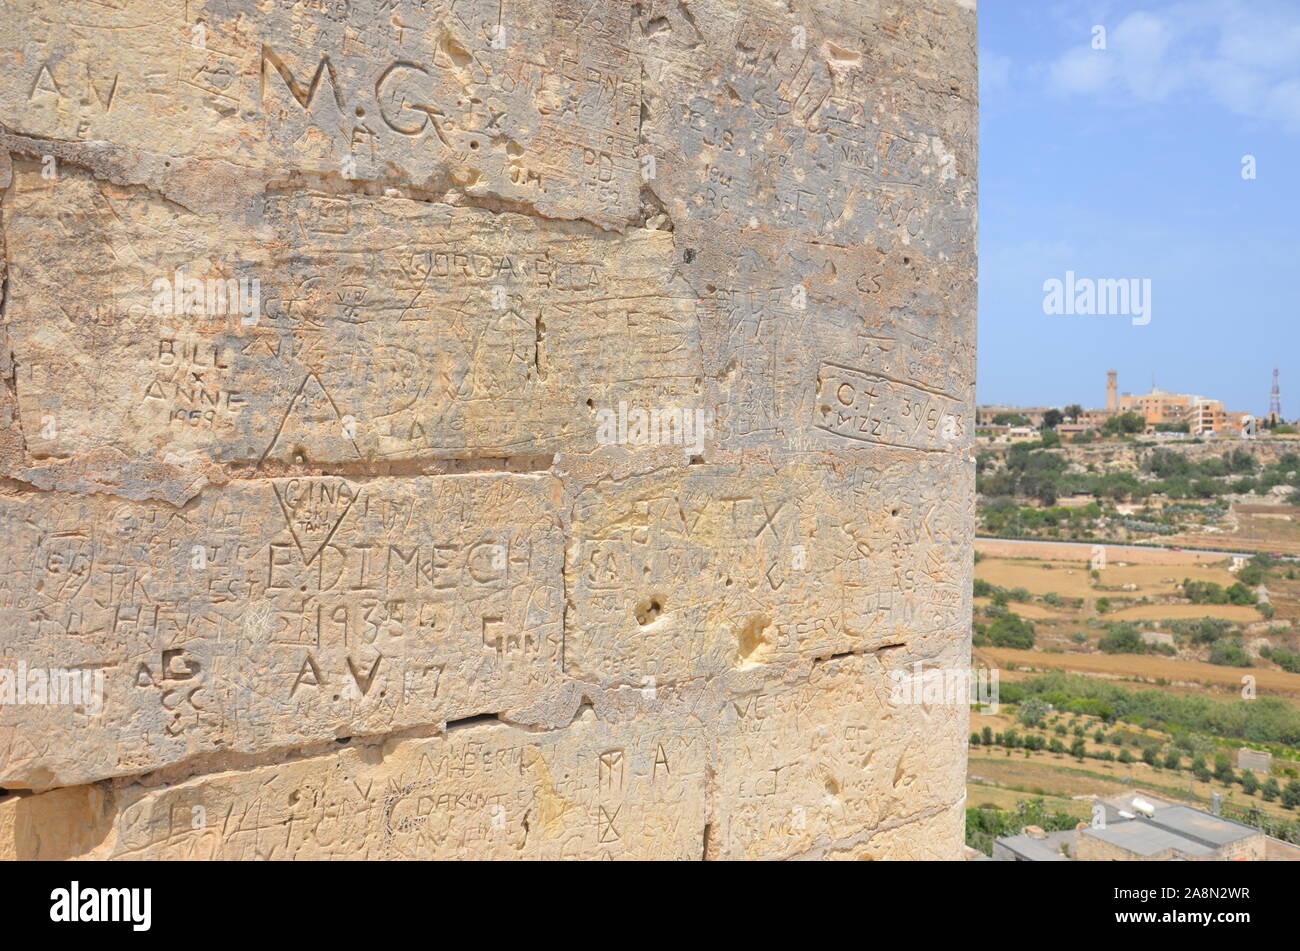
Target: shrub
x=1011, y=631
x=1230, y=655
x=986, y=823
x=1122, y=638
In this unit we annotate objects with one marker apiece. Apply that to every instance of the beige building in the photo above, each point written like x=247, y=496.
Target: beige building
x=1096, y=418
x=1207, y=417
x=1140, y=827
x=1163, y=410
x=1171, y=834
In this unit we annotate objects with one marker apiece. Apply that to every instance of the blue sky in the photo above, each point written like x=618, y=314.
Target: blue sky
x=1127, y=163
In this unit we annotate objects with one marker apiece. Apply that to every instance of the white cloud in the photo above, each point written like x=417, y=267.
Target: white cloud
x=1241, y=54
x=1081, y=71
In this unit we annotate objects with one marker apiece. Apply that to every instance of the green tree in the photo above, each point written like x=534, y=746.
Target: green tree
x=1291, y=794
x=1010, y=419
x=1079, y=749
x=1032, y=711
x=1270, y=790
x=1125, y=756
x=986, y=736
x=1124, y=423
x=1223, y=770
x=1200, y=769
x=1173, y=760
x=1249, y=782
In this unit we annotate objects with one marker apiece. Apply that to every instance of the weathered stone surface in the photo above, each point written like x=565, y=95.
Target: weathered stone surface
x=490, y=792
x=803, y=769
x=544, y=112
x=479, y=430
x=384, y=329
x=275, y=613
x=796, y=769
x=729, y=567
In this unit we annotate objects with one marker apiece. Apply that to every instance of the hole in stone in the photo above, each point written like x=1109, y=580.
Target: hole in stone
x=648, y=611
x=751, y=641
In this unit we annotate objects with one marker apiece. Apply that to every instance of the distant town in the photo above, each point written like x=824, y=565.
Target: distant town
x=1137, y=586
x=1158, y=413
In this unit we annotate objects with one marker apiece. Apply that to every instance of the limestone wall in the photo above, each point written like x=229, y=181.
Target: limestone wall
x=471, y=429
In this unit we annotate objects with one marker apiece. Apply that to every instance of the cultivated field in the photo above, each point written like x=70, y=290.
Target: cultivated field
x=1144, y=588
x=1258, y=527
x=1145, y=669
x=1066, y=783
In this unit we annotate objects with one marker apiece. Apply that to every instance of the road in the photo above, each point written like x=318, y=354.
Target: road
x=1109, y=546
x=1082, y=551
